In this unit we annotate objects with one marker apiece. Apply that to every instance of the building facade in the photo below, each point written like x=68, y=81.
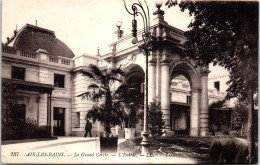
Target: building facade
x=40, y=65
x=43, y=67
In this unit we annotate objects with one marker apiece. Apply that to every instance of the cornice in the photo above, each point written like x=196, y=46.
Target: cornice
x=37, y=64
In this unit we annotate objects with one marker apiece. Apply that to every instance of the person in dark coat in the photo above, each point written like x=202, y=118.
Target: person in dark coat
x=88, y=128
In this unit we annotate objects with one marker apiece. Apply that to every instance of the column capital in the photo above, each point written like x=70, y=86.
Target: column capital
x=152, y=62
x=165, y=62
x=204, y=71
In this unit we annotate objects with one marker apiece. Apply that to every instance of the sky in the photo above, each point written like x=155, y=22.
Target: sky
x=83, y=25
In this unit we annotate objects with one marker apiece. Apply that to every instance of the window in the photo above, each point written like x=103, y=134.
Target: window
x=18, y=73
x=59, y=80
x=216, y=85
x=77, y=124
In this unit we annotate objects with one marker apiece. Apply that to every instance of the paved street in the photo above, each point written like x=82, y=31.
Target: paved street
x=71, y=150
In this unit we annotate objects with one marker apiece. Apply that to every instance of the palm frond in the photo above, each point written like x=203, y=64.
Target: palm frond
x=97, y=96
x=87, y=73
x=116, y=79
x=83, y=94
x=118, y=71
x=93, y=86
x=97, y=72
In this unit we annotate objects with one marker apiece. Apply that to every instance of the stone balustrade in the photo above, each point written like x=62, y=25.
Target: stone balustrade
x=34, y=56
x=28, y=54
x=7, y=49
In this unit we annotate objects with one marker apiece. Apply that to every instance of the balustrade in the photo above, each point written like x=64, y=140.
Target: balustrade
x=53, y=59
x=33, y=55
x=7, y=49
x=28, y=54
x=65, y=62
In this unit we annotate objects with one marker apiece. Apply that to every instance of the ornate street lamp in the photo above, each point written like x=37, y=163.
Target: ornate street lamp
x=145, y=47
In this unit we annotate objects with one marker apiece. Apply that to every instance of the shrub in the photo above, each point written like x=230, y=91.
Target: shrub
x=154, y=118
x=26, y=129
x=229, y=151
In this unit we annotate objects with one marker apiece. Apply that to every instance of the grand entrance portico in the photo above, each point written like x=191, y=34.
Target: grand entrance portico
x=166, y=61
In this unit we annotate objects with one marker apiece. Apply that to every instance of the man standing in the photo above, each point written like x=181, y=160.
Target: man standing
x=88, y=128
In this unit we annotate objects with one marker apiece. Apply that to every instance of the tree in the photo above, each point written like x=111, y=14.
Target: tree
x=100, y=91
x=239, y=115
x=10, y=109
x=214, y=116
x=155, y=118
x=226, y=33
x=129, y=100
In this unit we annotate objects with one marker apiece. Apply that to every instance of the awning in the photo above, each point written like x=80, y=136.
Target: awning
x=30, y=86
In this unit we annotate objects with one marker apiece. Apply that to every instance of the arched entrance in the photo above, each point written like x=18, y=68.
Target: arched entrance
x=135, y=78
x=195, y=113
x=180, y=104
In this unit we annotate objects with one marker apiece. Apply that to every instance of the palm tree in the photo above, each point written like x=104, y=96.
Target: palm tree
x=129, y=100
x=100, y=91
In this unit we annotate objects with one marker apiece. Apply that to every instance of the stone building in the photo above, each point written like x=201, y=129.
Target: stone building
x=40, y=65
x=43, y=67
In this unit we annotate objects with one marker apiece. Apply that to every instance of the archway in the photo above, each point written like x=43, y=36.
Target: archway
x=180, y=104
x=135, y=78
x=188, y=112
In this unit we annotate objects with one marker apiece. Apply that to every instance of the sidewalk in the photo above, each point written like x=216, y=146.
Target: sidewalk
x=50, y=151
x=73, y=150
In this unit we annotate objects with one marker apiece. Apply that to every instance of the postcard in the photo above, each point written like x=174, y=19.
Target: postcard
x=115, y=82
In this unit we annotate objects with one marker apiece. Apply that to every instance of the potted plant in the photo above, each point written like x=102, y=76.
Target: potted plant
x=130, y=101
x=104, y=110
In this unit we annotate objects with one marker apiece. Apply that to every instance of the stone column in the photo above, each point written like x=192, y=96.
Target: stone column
x=204, y=114
x=151, y=81
x=194, y=112
x=49, y=113
x=48, y=110
x=158, y=78
x=165, y=94
x=67, y=121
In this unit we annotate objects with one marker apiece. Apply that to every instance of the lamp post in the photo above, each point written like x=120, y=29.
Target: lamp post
x=145, y=48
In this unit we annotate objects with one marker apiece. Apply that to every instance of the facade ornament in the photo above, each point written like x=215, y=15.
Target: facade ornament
x=114, y=49
x=98, y=54
x=204, y=70
x=164, y=33
x=153, y=32
x=186, y=59
x=119, y=32
x=130, y=59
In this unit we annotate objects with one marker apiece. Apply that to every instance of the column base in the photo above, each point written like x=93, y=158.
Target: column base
x=194, y=132
x=167, y=132
x=204, y=132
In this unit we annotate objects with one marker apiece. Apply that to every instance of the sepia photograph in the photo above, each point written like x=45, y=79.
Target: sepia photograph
x=129, y=81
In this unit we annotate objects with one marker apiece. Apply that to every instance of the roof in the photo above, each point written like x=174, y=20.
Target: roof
x=30, y=86
x=32, y=38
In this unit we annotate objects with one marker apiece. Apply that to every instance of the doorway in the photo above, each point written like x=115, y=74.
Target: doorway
x=58, y=117
x=180, y=118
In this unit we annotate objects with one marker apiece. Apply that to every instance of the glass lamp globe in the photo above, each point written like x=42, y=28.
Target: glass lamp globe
x=158, y=3
x=119, y=24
